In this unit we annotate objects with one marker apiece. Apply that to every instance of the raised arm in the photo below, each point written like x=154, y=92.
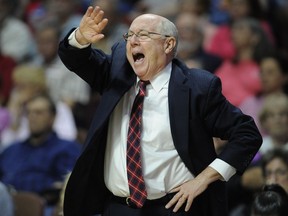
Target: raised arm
x=91, y=26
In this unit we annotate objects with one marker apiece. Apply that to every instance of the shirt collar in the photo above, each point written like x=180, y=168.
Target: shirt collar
x=161, y=79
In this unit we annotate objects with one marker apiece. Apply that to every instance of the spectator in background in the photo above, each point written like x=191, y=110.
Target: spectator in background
x=221, y=43
x=190, y=46
x=278, y=17
x=29, y=80
x=16, y=39
x=240, y=76
x=63, y=85
x=167, y=8
x=6, y=202
x=200, y=9
x=274, y=79
x=219, y=14
x=272, y=201
x=273, y=169
x=67, y=13
x=274, y=120
x=33, y=12
x=113, y=33
x=39, y=163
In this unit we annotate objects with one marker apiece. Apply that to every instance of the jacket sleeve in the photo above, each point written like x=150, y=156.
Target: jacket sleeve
x=92, y=65
x=229, y=123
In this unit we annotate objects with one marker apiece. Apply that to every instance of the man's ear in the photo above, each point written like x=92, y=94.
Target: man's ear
x=170, y=43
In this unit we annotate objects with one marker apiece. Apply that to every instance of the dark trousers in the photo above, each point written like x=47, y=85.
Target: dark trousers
x=118, y=207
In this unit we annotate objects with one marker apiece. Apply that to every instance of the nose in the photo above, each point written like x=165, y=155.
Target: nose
x=272, y=179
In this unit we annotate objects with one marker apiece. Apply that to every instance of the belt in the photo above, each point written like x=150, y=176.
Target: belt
x=127, y=201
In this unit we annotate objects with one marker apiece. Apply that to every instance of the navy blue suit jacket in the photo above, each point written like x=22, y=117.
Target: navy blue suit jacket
x=197, y=109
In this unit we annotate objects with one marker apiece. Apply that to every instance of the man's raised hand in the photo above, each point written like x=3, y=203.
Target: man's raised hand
x=91, y=26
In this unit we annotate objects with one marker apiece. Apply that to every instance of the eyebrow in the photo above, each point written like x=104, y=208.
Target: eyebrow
x=138, y=31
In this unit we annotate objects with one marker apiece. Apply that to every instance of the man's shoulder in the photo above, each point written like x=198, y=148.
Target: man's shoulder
x=193, y=72
x=193, y=76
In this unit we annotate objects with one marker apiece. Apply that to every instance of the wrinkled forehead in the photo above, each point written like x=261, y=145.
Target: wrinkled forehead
x=149, y=22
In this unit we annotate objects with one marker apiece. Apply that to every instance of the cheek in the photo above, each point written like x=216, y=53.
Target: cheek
x=283, y=182
x=129, y=58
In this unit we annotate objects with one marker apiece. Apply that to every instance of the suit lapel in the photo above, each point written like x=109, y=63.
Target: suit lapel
x=178, y=94
x=109, y=100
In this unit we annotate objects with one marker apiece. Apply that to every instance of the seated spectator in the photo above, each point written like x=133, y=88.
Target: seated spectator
x=202, y=10
x=278, y=17
x=16, y=38
x=116, y=28
x=274, y=120
x=39, y=163
x=66, y=13
x=29, y=81
x=6, y=202
x=218, y=12
x=190, y=47
x=274, y=79
x=275, y=167
x=63, y=85
x=274, y=170
x=272, y=201
x=240, y=76
x=221, y=43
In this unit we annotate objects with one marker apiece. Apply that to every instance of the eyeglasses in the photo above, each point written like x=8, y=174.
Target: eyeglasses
x=281, y=114
x=277, y=172
x=142, y=35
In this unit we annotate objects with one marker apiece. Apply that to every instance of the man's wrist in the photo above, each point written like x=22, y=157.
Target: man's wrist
x=74, y=42
x=79, y=38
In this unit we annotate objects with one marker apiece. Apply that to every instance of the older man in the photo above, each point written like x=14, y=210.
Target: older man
x=151, y=152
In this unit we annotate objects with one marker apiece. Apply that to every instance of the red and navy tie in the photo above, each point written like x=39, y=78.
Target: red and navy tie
x=138, y=193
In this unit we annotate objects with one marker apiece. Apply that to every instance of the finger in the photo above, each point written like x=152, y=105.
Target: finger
x=177, y=189
x=96, y=38
x=94, y=13
x=99, y=16
x=102, y=25
x=89, y=11
x=173, y=200
x=188, y=204
x=180, y=202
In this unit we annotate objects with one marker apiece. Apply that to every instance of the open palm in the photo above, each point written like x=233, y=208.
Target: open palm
x=91, y=26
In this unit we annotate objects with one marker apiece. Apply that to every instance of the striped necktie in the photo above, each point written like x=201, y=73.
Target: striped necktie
x=138, y=193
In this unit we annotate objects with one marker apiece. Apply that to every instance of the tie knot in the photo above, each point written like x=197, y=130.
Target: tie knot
x=142, y=87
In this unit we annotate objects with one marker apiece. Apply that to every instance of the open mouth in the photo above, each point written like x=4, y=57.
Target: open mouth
x=138, y=57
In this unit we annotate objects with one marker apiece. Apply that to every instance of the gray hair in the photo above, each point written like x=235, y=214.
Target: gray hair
x=167, y=27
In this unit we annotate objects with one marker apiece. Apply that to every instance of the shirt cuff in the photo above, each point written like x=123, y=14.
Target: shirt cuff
x=223, y=168
x=73, y=42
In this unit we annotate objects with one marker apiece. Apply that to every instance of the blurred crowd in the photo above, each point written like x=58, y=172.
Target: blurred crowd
x=244, y=42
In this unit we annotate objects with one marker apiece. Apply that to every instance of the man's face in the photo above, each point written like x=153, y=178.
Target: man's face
x=147, y=57
x=276, y=122
x=276, y=172
x=47, y=43
x=39, y=116
x=272, y=77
